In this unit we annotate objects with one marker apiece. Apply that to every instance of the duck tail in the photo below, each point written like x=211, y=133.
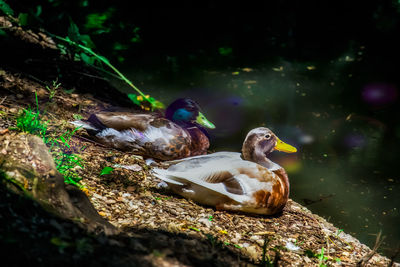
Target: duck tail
x=92, y=124
x=163, y=175
x=83, y=124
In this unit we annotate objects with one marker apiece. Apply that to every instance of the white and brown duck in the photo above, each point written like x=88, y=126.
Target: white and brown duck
x=247, y=181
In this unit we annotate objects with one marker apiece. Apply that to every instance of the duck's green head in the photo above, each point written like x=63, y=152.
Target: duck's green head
x=185, y=111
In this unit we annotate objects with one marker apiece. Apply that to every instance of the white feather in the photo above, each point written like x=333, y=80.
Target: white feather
x=83, y=124
x=130, y=135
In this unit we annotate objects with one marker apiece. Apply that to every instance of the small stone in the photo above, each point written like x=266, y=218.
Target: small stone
x=110, y=201
x=252, y=251
x=130, y=188
x=245, y=245
x=206, y=222
x=20, y=96
x=97, y=196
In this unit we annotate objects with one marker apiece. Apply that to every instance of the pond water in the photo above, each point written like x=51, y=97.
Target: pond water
x=340, y=114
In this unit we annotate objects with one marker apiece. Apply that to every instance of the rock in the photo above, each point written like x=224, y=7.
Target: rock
x=32, y=167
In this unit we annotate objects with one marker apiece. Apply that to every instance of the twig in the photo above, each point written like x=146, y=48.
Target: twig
x=2, y=100
x=364, y=260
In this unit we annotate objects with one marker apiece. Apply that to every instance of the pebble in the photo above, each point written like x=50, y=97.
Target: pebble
x=110, y=201
x=206, y=222
x=252, y=251
x=255, y=237
x=97, y=196
x=245, y=245
x=130, y=189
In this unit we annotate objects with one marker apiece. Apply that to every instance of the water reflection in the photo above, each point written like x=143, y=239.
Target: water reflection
x=346, y=167
x=379, y=94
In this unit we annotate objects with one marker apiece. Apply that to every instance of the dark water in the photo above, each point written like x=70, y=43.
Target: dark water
x=341, y=115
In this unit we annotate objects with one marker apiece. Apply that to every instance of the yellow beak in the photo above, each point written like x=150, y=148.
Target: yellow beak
x=282, y=146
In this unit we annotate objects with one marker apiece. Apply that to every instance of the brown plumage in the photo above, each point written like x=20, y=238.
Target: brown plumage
x=247, y=182
x=177, y=135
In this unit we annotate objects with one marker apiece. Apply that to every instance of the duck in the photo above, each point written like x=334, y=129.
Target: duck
x=246, y=182
x=179, y=133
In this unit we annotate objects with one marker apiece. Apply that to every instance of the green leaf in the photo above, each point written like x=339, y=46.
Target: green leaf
x=225, y=51
x=77, y=116
x=135, y=39
x=38, y=11
x=157, y=105
x=310, y=253
x=118, y=46
x=133, y=98
x=106, y=170
x=73, y=32
x=6, y=9
x=84, y=3
x=64, y=141
x=87, y=41
x=23, y=19
x=96, y=21
x=59, y=242
x=87, y=59
x=105, y=60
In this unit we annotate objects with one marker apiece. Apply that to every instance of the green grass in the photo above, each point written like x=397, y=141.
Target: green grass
x=30, y=122
x=64, y=155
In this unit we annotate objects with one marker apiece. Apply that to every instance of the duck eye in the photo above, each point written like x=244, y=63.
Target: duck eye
x=267, y=136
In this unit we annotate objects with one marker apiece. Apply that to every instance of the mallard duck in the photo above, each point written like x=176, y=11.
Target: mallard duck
x=247, y=181
x=178, y=134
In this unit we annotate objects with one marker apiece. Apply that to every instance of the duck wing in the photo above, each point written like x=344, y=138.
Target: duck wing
x=224, y=172
x=123, y=120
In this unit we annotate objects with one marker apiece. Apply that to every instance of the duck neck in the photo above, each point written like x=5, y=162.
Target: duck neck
x=267, y=163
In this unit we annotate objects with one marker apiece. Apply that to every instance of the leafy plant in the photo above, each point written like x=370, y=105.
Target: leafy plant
x=29, y=121
x=106, y=170
x=66, y=163
x=53, y=89
x=265, y=259
x=322, y=258
x=339, y=232
x=77, y=116
x=6, y=9
x=64, y=155
x=65, y=158
x=84, y=44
